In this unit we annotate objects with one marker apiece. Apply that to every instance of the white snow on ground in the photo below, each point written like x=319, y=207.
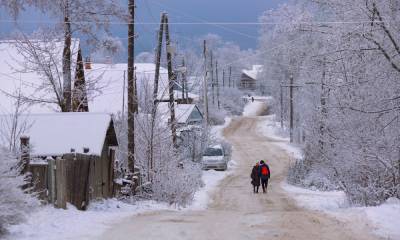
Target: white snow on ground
x=385, y=219
x=217, y=131
x=211, y=179
x=316, y=200
x=271, y=129
x=253, y=109
x=48, y=223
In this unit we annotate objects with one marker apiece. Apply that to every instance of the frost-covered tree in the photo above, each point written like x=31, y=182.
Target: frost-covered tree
x=75, y=17
x=343, y=57
x=15, y=203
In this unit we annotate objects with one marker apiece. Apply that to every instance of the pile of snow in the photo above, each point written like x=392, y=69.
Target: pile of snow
x=271, y=129
x=316, y=200
x=383, y=220
x=217, y=131
x=49, y=223
x=253, y=109
x=211, y=179
x=386, y=218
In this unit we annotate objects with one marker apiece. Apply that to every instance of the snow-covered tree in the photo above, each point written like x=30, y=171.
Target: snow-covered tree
x=15, y=202
x=343, y=58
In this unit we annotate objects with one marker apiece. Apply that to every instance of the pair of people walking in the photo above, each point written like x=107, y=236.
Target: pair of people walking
x=260, y=174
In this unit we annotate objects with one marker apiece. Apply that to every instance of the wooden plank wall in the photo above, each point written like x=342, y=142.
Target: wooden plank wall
x=39, y=179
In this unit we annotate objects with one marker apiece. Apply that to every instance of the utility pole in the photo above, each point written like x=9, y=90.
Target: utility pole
x=281, y=96
x=205, y=84
x=184, y=83
x=223, y=78
x=158, y=58
x=230, y=74
x=132, y=103
x=291, y=107
x=212, y=78
x=160, y=35
x=217, y=82
x=171, y=78
x=185, y=80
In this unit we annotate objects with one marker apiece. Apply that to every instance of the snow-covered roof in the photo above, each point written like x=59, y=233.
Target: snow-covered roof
x=112, y=82
x=183, y=112
x=14, y=74
x=112, y=85
x=254, y=72
x=55, y=134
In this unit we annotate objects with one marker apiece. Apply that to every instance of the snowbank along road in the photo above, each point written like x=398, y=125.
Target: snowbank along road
x=237, y=213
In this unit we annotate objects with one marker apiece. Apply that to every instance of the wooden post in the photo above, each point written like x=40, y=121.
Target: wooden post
x=281, y=96
x=230, y=75
x=212, y=78
x=150, y=164
x=185, y=82
x=171, y=77
x=51, y=180
x=61, y=185
x=291, y=107
x=131, y=87
x=205, y=84
x=217, y=82
x=223, y=78
x=25, y=156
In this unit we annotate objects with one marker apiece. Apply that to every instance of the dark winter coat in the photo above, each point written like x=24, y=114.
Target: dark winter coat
x=255, y=177
x=259, y=172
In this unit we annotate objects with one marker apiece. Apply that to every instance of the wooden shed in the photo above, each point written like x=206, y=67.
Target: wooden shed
x=249, y=79
x=72, y=156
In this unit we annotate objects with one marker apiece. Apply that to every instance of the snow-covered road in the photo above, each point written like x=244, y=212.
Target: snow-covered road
x=235, y=212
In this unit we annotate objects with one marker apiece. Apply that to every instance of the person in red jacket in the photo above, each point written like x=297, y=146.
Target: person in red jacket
x=265, y=174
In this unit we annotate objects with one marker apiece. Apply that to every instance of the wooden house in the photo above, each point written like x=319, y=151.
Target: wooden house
x=249, y=78
x=82, y=145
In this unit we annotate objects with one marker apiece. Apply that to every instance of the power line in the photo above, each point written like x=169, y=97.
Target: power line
x=201, y=23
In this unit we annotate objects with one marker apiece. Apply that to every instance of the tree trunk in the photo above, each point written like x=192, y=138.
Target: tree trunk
x=131, y=87
x=66, y=62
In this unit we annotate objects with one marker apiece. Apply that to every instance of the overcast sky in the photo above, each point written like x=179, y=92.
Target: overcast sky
x=184, y=11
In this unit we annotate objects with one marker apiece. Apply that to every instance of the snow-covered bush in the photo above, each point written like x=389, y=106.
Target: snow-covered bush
x=15, y=203
x=167, y=173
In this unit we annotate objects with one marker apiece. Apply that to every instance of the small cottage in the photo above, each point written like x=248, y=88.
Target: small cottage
x=185, y=114
x=249, y=78
x=82, y=147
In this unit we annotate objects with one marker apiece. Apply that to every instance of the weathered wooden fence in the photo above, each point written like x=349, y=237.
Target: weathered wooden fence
x=74, y=178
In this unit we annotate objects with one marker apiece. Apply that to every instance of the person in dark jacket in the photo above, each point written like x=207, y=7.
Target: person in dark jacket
x=265, y=174
x=255, y=178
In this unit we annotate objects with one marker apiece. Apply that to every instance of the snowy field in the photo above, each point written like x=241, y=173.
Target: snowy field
x=384, y=219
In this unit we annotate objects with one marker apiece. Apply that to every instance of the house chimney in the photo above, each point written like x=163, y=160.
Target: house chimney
x=88, y=63
x=25, y=156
